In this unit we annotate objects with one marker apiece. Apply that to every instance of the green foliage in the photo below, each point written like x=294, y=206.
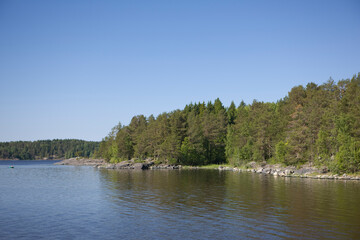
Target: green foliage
x=281, y=150
x=322, y=144
x=317, y=123
x=231, y=113
x=48, y=149
x=348, y=157
x=190, y=154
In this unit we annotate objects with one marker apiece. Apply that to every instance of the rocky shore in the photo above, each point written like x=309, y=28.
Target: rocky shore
x=130, y=164
x=81, y=162
x=306, y=171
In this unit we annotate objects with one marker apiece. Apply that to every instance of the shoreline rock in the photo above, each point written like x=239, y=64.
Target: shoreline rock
x=132, y=164
x=290, y=171
x=81, y=162
x=276, y=170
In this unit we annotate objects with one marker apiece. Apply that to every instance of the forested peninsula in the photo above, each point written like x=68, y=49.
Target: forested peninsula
x=316, y=124
x=47, y=149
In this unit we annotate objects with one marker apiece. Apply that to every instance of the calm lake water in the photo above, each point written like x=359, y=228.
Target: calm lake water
x=39, y=200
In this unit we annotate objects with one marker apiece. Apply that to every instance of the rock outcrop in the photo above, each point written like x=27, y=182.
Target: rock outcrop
x=132, y=164
x=277, y=170
x=81, y=162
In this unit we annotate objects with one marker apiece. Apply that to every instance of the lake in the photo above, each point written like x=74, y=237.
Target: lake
x=39, y=200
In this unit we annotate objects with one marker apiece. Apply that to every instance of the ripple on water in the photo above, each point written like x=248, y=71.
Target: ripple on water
x=62, y=202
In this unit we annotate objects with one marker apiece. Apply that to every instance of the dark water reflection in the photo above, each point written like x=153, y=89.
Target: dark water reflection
x=213, y=204
x=39, y=200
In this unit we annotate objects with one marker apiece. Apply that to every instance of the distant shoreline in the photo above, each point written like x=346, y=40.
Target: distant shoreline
x=31, y=159
x=276, y=170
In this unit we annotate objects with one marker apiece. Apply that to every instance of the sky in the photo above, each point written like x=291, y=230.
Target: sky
x=72, y=69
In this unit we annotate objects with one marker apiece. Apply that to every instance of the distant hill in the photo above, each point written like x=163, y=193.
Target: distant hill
x=47, y=149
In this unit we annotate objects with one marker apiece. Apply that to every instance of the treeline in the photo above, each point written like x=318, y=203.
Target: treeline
x=316, y=123
x=49, y=149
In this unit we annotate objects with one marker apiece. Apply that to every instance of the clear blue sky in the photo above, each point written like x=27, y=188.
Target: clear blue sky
x=74, y=69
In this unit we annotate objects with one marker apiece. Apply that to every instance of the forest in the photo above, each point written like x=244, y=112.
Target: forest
x=317, y=124
x=47, y=149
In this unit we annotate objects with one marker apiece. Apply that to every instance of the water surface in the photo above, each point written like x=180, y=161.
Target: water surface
x=39, y=200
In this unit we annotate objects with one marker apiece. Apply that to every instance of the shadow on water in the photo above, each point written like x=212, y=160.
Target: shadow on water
x=178, y=190
x=300, y=208
x=227, y=204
